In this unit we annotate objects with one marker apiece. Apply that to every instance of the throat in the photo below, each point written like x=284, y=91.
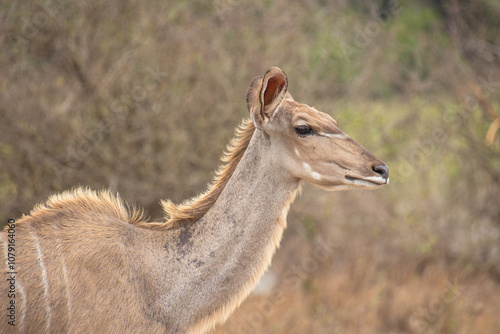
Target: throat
x=240, y=234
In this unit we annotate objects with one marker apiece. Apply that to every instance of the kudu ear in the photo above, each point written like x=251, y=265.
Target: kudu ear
x=266, y=94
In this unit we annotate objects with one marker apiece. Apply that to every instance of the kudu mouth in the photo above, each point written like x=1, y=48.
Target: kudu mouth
x=382, y=177
x=372, y=181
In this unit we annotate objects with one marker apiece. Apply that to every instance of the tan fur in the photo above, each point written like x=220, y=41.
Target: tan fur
x=88, y=263
x=224, y=313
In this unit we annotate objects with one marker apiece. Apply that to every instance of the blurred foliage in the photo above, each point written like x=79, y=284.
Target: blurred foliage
x=141, y=97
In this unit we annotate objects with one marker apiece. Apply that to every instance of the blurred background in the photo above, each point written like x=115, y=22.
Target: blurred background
x=142, y=96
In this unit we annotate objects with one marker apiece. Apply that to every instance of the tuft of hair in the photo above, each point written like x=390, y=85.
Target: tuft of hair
x=195, y=208
x=84, y=202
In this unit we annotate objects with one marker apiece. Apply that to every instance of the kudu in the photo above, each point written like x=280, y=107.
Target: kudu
x=86, y=263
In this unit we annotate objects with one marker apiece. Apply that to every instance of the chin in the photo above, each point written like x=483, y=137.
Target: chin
x=352, y=184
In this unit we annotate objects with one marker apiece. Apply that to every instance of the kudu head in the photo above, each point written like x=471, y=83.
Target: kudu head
x=307, y=143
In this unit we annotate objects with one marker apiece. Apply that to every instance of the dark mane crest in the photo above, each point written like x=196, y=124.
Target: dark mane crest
x=193, y=209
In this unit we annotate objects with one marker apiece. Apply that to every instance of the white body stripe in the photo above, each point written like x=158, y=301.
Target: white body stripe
x=45, y=280
x=66, y=281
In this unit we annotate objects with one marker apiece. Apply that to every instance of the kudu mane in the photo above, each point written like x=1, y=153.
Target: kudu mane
x=86, y=205
x=193, y=209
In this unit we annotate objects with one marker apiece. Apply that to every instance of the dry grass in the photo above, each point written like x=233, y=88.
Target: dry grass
x=142, y=97
x=361, y=298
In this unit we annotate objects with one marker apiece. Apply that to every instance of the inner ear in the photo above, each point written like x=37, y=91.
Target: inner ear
x=265, y=95
x=273, y=91
x=274, y=87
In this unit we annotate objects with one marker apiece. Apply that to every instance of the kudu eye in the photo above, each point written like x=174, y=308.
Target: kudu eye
x=303, y=130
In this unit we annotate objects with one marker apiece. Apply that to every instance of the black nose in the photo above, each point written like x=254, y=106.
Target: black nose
x=381, y=170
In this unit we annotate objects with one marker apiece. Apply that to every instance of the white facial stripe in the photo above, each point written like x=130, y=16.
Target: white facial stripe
x=314, y=175
x=333, y=135
x=297, y=152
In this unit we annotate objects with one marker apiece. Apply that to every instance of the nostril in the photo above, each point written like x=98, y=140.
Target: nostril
x=381, y=170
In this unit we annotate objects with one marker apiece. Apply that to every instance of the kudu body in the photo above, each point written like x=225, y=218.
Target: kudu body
x=84, y=263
